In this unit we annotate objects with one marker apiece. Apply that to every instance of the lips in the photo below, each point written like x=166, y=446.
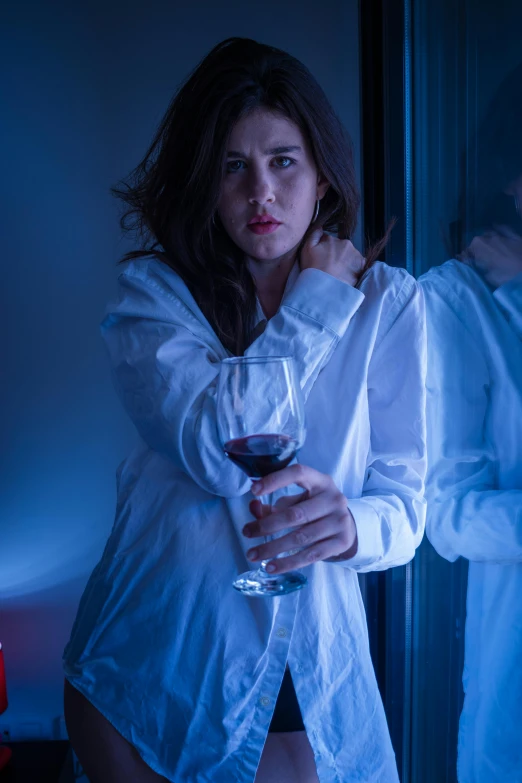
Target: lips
x=262, y=219
x=263, y=228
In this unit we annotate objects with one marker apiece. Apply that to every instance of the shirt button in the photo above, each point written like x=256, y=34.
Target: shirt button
x=281, y=632
x=264, y=701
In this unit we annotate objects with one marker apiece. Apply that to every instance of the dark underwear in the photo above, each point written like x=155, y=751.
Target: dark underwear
x=287, y=714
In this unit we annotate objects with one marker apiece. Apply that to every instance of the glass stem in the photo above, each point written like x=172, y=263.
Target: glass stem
x=265, y=499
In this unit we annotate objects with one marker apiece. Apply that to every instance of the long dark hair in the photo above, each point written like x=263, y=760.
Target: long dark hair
x=172, y=195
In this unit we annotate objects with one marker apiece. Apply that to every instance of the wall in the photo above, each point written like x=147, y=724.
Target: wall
x=86, y=85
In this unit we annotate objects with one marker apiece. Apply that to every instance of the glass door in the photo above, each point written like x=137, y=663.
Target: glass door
x=385, y=136
x=441, y=148
x=466, y=157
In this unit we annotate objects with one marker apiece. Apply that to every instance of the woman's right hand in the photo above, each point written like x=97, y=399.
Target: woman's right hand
x=336, y=257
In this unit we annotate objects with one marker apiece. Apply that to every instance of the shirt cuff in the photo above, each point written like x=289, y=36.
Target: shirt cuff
x=369, y=542
x=324, y=298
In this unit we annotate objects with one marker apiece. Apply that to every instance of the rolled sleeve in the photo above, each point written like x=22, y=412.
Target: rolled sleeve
x=166, y=360
x=325, y=299
x=390, y=515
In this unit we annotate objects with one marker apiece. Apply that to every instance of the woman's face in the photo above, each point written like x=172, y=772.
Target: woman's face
x=270, y=170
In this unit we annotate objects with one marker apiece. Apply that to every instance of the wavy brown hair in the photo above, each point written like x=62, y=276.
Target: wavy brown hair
x=172, y=195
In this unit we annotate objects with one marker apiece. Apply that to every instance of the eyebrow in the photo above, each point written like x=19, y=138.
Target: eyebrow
x=273, y=151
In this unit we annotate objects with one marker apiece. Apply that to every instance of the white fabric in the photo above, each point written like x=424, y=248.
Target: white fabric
x=474, y=491
x=185, y=667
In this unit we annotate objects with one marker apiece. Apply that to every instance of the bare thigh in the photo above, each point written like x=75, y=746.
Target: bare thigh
x=287, y=758
x=104, y=754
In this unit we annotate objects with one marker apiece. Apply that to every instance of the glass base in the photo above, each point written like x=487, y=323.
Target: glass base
x=267, y=585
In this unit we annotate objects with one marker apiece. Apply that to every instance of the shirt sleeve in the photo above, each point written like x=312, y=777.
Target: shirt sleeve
x=165, y=364
x=509, y=298
x=390, y=514
x=467, y=514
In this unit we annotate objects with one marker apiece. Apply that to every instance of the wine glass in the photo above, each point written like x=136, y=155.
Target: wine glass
x=260, y=416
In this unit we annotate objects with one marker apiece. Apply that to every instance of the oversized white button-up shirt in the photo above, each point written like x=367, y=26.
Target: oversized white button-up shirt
x=185, y=667
x=474, y=491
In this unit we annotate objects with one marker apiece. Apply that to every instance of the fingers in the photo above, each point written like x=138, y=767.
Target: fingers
x=320, y=540
x=296, y=514
x=506, y=231
x=321, y=550
x=260, y=510
x=315, y=236
x=290, y=500
x=488, y=247
x=316, y=523
x=302, y=475
x=301, y=537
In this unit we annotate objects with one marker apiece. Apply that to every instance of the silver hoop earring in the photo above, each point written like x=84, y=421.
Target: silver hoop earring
x=316, y=213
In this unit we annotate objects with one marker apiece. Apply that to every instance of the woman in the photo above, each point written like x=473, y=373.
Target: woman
x=474, y=406
x=171, y=674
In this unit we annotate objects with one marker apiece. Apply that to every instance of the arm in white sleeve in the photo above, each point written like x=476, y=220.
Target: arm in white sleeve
x=509, y=297
x=467, y=515
x=390, y=514
x=165, y=364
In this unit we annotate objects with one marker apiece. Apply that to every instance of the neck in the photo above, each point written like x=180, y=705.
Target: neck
x=271, y=275
x=270, y=278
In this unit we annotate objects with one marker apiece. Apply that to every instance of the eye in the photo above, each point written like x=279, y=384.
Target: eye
x=233, y=163
x=283, y=162
x=291, y=162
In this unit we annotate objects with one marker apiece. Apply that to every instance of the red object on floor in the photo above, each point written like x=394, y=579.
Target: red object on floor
x=5, y=755
x=3, y=685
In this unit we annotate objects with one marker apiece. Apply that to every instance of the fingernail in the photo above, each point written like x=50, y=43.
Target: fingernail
x=270, y=568
x=256, y=488
x=252, y=554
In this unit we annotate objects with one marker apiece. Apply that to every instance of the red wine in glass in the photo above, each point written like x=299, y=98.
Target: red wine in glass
x=259, y=455
x=260, y=420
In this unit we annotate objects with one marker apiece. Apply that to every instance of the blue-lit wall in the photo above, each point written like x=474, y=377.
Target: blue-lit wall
x=86, y=85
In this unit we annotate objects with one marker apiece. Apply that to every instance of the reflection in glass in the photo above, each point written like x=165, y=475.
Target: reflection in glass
x=474, y=486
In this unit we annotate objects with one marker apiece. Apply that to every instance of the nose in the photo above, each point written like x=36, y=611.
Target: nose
x=260, y=189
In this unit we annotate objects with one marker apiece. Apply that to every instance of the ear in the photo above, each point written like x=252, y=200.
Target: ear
x=322, y=186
